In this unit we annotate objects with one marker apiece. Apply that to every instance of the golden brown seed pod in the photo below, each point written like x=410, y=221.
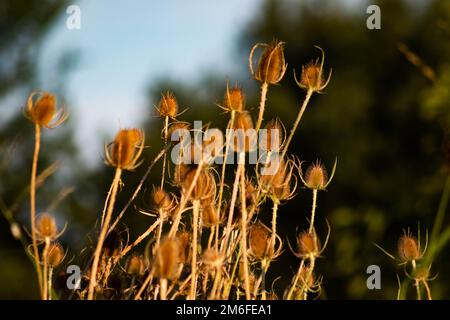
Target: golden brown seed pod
x=316, y=177
x=55, y=255
x=212, y=259
x=184, y=242
x=408, y=248
x=271, y=65
x=125, y=150
x=312, y=77
x=234, y=99
x=259, y=241
x=42, y=110
x=46, y=227
x=161, y=200
x=210, y=216
x=176, y=129
x=136, y=265
x=278, y=179
x=168, y=106
x=204, y=187
x=308, y=244
x=166, y=261
x=271, y=139
x=244, y=138
x=179, y=172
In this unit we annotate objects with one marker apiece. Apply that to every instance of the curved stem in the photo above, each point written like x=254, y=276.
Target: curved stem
x=140, y=238
x=196, y=210
x=102, y=236
x=296, y=123
x=45, y=262
x=262, y=104
x=244, y=227
x=274, y=224
x=37, y=261
x=294, y=284
x=166, y=125
x=313, y=211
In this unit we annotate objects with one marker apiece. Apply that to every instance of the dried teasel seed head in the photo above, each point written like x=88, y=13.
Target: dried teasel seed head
x=166, y=261
x=278, y=180
x=312, y=77
x=210, y=216
x=308, y=244
x=136, y=265
x=42, y=110
x=184, y=242
x=259, y=238
x=168, y=106
x=271, y=65
x=176, y=130
x=179, y=172
x=126, y=149
x=408, y=248
x=112, y=244
x=161, y=200
x=46, y=227
x=212, y=259
x=204, y=187
x=234, y=99
x=316, y=177
x=271, y=139
x=55, y=255
x=244, y=138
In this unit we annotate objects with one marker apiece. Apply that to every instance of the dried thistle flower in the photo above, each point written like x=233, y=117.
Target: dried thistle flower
x=308, y=244
x=210, y=216
x=259, y=241
x=46, y=227
x=166, y=261
x=271, y=65
x=161, y=200
x=212, y=259
x=204, y=187
x=280, y=182
x=312, y=78
x=168, y=106
x=245, y=135
x=136, y=265
x=125, y=150
x=234, y=99
x=408, y=248
x=184, y=242
x=316, y=177
x=55, y=255
x=42, y=111
x=271, y=139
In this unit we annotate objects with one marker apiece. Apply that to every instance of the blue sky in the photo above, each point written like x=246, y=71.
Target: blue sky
x=124, y=45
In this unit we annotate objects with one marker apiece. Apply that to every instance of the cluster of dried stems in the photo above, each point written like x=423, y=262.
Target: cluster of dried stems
x=207, y=241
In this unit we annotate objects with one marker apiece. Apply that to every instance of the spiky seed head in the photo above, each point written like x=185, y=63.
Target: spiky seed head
x=176, y=128
x=204, y=187
x=168, y=106
x=42, y=110
x=179, y=173
x=272, y=64
x=312, y=78
x=212, y=259
x=244, y=140
x=210, y=216
x=46, y=226
x=184, y=242
x=126, y=148
x=408, y=248
x=112, y=244
x=316, y=177
x=161, y=199
x=55, y=255
x=167, y=258
x=308, y=244
x=259, y=238
x=135, y=265
x=234, y=99
x=272, y=136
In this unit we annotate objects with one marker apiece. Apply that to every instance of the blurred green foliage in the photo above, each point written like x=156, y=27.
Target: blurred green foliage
x=382, y=117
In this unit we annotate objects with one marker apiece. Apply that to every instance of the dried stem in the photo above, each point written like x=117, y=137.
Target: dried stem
x=262, y=104
x=195, y=211
x=37, y=261
x=102, y=236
